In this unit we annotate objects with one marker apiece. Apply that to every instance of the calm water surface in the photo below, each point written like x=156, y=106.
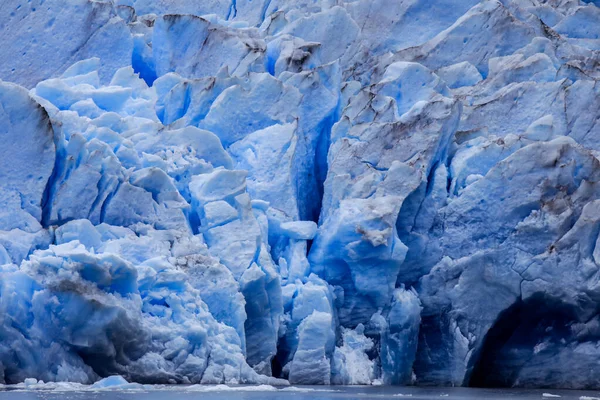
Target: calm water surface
x=307, y=393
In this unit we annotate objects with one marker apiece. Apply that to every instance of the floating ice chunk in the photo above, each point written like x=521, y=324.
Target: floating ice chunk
x=32, y=384
x=29, y=382
x=114, y=382
x=226, y=388
x=306, y=389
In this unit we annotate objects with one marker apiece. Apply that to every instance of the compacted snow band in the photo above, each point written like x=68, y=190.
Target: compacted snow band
x=312, y=192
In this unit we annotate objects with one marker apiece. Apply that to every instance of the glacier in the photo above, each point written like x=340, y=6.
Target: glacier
x=346, y=192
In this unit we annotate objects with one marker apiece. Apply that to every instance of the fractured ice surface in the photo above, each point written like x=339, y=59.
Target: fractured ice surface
x=326, y=192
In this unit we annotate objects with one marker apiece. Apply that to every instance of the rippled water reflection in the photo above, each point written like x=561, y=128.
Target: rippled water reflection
x=298, y=393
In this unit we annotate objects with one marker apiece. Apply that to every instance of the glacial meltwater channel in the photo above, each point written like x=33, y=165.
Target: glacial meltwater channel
x=294, y=393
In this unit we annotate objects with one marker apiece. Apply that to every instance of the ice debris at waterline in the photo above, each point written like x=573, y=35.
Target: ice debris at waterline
x=326, y=192
x=118, y=383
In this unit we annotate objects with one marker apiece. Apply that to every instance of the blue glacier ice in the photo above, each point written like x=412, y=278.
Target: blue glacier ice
x=347, y=192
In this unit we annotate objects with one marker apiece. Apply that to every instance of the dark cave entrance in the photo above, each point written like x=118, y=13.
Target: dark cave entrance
x=276, y=368
x=539, y=325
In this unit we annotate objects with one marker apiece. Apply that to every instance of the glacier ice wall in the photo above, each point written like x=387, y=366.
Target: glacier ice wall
x=323, y=192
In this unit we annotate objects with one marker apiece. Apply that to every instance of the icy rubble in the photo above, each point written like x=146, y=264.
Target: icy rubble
x=326, y=192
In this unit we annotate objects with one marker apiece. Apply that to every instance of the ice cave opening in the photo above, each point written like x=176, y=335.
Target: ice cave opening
x=529, y=333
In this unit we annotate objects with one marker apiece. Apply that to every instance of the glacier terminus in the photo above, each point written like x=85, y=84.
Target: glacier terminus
x=345, y=192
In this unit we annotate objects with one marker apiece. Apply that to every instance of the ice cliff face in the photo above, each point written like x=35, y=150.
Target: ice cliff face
x=332, y=191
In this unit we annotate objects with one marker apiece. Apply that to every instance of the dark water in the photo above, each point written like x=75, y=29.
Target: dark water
x=305, y=393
